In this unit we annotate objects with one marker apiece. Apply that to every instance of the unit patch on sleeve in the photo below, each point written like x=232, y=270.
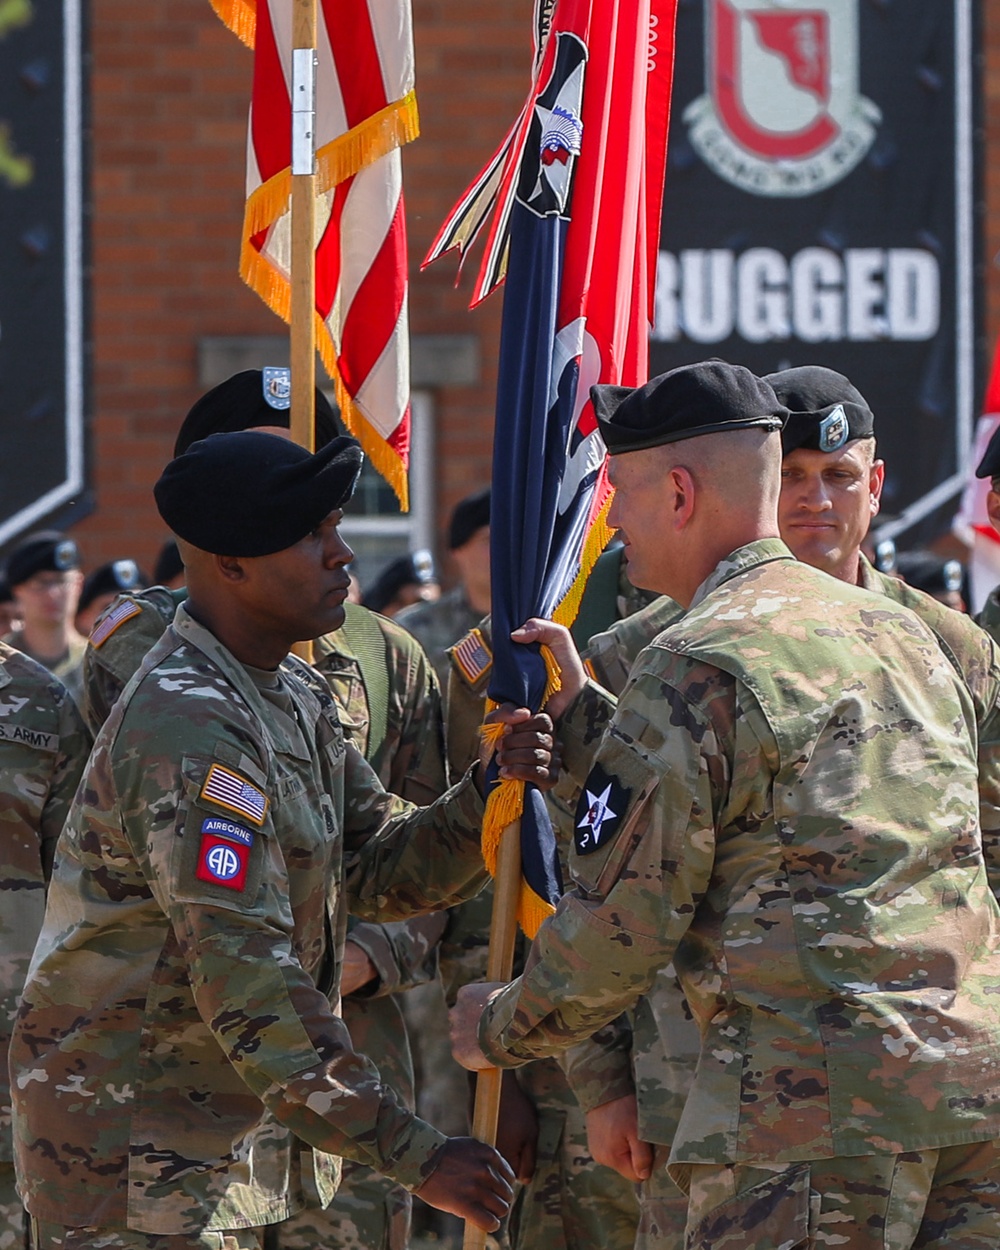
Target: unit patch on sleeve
x=600, y=811
x=224, y=853
x=230, y=790
x=118, y=615
x=472, y=656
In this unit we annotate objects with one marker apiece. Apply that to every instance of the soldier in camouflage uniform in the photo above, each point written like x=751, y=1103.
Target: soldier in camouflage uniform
x=407, y=753
x=438, y=625
x=43, y=748
x=397, y=726
x=784, y=802
x=829, y=472
x=43, y=573
x=199, y=904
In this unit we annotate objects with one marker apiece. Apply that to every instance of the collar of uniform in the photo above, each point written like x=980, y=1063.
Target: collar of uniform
x=277, y=734
x=869, y=578
x=762, y=551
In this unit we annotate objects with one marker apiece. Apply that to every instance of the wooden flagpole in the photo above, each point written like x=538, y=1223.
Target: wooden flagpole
x=303, y=229
x=499, y=966
x=303, y=277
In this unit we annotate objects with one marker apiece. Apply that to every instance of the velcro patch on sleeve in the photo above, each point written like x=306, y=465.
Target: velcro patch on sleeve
x=235, y=793
x=24, y=735
x=224, y=853
x=472, y=656
x=107, y=625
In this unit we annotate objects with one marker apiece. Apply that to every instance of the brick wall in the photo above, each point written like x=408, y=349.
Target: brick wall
x=169, y=90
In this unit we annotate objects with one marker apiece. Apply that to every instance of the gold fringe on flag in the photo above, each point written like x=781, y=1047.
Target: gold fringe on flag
x=240, y=16
x=365, y=143
x=505, y=804
x=378, y=135
x=598, y=537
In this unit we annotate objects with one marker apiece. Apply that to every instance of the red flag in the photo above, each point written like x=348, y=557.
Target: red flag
x=972, y=524
x=575, y=192
x=365, y=109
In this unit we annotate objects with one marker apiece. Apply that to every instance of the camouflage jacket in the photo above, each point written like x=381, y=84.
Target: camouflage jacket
x=609, y=655
x=664, y=1072
x=784, y=803
x=69, y=669
x=196, y=914
x=43, y=748
x=411, y=761
x=438, y=625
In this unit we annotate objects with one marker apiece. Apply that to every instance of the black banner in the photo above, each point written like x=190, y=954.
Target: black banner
x=820, y=208
x=41, y=263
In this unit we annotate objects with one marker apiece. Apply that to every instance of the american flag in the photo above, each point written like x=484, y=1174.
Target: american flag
x=365, y=109
x=229, y=789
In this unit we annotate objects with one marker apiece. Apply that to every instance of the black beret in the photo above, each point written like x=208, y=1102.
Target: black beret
x=110, y=578
x=471, y=514
x=47, y=551
x=706, y=398
x=989, y=466
x=168, y=564
x=929, y=572
x=246, y=400
x=824, y=410
x=251, y=494
x=415, y=569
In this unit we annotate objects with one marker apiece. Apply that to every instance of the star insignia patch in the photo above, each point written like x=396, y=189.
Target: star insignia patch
x=600, y=811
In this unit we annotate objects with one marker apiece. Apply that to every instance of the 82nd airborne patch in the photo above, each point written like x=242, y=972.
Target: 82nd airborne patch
x=224, y=853
x=600, y=811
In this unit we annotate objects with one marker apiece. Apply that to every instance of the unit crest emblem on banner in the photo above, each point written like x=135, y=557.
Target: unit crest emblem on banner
x=782, y=114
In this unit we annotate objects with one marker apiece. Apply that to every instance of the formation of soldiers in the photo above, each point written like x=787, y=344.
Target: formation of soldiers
x=763, y=1015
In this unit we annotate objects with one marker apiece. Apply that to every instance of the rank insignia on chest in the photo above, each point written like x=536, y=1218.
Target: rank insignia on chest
x=224, y=853
x=472, y=656
x=230, y=790
x=600, y=811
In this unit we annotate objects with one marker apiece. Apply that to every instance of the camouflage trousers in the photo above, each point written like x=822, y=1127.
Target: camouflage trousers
x=947, y=1198
x=370, y=1212
x=571, y=1203
x=662, y=1209
x=13, y=1221
x=48, y=1236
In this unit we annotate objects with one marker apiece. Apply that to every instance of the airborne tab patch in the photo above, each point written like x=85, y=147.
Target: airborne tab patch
x=600, y=811
x=230, y=790
x=118, y=615
x=472, y=656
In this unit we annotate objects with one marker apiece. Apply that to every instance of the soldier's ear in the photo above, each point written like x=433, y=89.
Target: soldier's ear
x=231, y=568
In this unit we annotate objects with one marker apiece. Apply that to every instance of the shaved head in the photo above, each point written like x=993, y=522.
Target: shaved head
x=683, y=506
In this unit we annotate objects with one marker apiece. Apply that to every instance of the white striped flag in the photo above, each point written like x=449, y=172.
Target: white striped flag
x=365, y=109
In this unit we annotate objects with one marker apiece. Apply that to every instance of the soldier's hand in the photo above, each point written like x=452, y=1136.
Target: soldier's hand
x=464, y=1023
x=560, y=642
x=517, y=1128
x=472, y=1181
x=525, y=752
x=613, y=1139
x=357, y=969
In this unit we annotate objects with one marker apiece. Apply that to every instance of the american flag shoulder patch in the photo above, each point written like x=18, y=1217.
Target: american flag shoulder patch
x=118, y=615
x=472, y=656
x=230, y=790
